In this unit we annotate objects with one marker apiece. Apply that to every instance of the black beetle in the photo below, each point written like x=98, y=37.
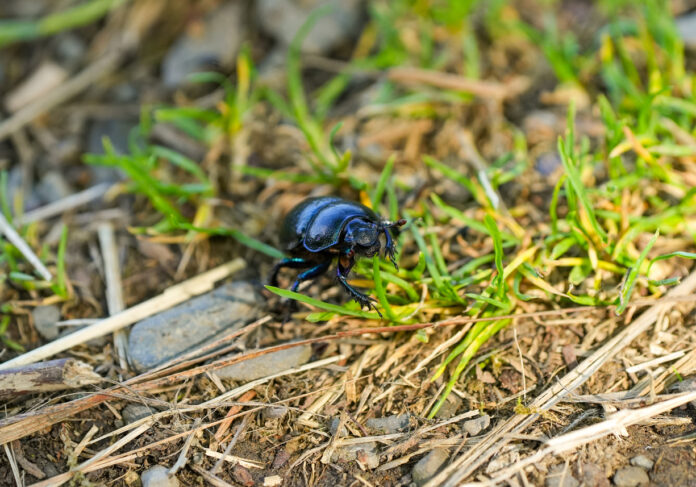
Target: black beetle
x=319, y=229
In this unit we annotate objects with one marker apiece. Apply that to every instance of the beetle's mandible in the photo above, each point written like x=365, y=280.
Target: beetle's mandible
x=318, y=230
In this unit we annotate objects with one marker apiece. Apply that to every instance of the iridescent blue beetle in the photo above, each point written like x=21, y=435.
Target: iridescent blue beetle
x=318, y=230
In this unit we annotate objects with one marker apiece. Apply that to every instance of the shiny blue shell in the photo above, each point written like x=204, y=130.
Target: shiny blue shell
x=317, y=223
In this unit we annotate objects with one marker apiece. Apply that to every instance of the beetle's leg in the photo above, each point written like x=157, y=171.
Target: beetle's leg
x=293, y=263
x=389, y=248
x=315, y=271
x=342, y=273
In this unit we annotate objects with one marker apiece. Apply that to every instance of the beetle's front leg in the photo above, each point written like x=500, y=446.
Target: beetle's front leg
x=390, y=248
x=345, y=263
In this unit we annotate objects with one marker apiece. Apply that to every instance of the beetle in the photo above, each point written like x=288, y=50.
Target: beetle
x=320, y=229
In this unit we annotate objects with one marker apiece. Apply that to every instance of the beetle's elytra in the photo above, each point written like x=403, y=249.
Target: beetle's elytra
x=318, y=230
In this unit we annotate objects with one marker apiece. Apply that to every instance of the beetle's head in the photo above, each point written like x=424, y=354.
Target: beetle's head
x=363, y=237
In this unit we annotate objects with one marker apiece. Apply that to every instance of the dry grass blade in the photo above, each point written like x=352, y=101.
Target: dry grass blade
x=467, y=463
x=171, y=297
x=616, y=424
x=15, y=239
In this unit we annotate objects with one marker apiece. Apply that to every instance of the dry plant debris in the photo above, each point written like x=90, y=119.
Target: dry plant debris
x=540, y=327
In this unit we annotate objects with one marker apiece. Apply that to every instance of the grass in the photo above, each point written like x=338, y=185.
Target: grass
x=595, y=245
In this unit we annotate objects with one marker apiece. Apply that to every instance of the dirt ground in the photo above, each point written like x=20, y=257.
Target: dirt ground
x=501, y=114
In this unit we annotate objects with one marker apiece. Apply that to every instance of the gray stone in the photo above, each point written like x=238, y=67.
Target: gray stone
x=222, y=35
x=428, y=466
x=449, y=408
x=266, y=364
x=594, y=476
x=688, y=384
x=547, y=163
x=476, y=425
x=643, y=462
x=53, y=187
x=365, y=453
x=275, y=412
x=390, y=424
x=158, y=476
x=45, y=318
x=686, y=26
x=192, y=324
x=70, y=49
x=333, y=427
x=133, y=412
x=282, y=19
x=631, y=477
x=560, y=476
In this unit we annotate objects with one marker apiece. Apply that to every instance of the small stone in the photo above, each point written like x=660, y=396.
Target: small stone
x=275, y=412
x=333, y=427
x=476, y=425
x=449, y=408
x=53, y=187
x=216, y=43
x=192, y=324
x=686, y=26
x=70, y=49
x=365, y=453
x=133, y=412
x=547, y=163
x=428, y=466
x=643, y=462
x=631, y=477
x=282, y=19
x=158, y=476
x=560, y=476
x=265, y=365
x=45, y=319
x=593, y=475
x=688, y=384
x=390, y=424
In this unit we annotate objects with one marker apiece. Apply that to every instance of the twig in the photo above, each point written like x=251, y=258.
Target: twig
x=170, y=297
x=213, y=480
x=13, y=465
x=237, y=434
x=114, y=287
x=464, y=465
x=101, y=67
x=55, y=375
x=616, y=424
x=448, y=81
x=63, y=205
x=181, y=461
x=15, y=239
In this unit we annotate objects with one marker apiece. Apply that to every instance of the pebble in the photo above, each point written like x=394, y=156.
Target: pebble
x=593, y=475
x=216, y=43
x=428, y=466
x=643, y=462
x=631, y=477
x=333, y=427
x=560, y=476
x=688, y=384
x=158, y=476
x=282, y=19
x=476, y=425
x=389, y=424
x=449, y=408
x=275, y=412
x=547, y=163
x=266, y=365
x=45, y=318
x=53, y=187
x=192, y=324
x=686, y=26
x=365, y=453
x=133, y=412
